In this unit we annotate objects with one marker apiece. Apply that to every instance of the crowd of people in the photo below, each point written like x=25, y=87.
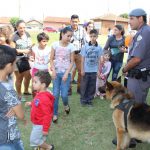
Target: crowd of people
x=77, y=50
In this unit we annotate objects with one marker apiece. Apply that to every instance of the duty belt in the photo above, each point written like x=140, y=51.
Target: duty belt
x=139, y=73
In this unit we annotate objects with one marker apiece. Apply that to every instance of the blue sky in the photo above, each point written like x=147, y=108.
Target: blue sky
x=38, y=9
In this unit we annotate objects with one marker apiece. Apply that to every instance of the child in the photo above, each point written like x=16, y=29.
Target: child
x=41, y=110
x=90, y=56
x=40, y=55
x=62, y=60
x=104, y=69
x=10, y=106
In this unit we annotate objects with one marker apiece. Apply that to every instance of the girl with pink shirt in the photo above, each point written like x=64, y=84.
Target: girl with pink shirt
x=61, y=61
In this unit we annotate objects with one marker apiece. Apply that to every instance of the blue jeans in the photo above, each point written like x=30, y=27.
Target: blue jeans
x=115, y=66
x=13, y=145
x=62, y=87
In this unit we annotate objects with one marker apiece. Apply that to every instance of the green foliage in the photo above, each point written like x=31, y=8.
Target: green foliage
x=13, y=21
x=124, y=15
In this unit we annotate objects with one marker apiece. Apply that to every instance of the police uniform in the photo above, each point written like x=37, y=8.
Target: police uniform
x=139, y=76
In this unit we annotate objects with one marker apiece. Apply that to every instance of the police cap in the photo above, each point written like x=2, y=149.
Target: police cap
x=137, y=12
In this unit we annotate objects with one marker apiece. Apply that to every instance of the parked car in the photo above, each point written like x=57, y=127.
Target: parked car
x=49, y=29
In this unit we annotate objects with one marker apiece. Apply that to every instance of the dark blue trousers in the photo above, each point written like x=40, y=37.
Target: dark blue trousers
x=88, y=87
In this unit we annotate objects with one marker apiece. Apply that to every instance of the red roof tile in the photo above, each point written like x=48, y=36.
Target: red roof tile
x=111, y=17
x=57, y=19
x=5, y=20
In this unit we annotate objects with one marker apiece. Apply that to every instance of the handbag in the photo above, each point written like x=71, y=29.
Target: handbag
x=23, y=64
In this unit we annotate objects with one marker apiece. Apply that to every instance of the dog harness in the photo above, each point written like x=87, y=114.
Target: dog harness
x=125, y=106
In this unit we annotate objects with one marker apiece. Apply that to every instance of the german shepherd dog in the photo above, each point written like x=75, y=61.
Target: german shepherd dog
x=132, y=120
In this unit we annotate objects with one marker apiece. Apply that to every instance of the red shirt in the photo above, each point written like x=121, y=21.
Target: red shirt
x=42, y=108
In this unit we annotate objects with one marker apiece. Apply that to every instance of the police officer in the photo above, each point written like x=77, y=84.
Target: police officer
x=138, y=64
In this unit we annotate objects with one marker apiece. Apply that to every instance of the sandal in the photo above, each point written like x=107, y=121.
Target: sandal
x=67, y=109
x=27, y=93
x=52, y=147
x=55, y=119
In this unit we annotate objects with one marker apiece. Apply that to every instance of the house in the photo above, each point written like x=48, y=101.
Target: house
x=4, y=21
x=56, y=22
x=103, y=23
x=34, y=24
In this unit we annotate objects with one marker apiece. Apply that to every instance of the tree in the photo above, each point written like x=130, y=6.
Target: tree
x=124, y=15
x=13, y=21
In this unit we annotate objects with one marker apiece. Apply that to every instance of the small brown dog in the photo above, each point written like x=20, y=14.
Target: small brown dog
x=131, y=120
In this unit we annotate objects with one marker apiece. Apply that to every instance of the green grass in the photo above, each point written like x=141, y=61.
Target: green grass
x=85, y=128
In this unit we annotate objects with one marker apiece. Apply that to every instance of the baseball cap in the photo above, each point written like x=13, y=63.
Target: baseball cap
x=137, y=12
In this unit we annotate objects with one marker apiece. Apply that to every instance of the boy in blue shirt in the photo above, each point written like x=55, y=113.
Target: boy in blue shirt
x=90, y=59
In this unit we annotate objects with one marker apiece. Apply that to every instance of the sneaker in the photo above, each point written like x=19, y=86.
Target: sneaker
x=90, y=104
x=101, y=97
x=96, y=94
x=55, y=119
x=52, y=147
x=67, y=109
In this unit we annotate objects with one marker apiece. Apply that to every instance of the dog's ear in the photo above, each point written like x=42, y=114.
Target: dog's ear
x=119, y=79
x=109, y=86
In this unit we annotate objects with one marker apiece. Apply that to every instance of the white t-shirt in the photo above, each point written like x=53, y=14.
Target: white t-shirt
x=62, y=56
x=41, y=57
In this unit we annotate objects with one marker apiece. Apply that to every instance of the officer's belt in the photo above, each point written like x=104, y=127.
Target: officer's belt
x=139, y=73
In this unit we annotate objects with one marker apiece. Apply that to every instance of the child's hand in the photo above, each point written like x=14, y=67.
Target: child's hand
x=65, y=77
x=102, y=76
x=45, y=133
x=10, y=113
x=31, y=58
x=53, y=74
x=27, y=104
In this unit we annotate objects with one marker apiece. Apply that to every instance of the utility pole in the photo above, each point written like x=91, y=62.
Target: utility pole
x=19, y=7
x=108, y=7
x=129, y=3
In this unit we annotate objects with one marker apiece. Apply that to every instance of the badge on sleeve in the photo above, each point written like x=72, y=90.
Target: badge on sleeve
x=139, y=38
x=36, y=102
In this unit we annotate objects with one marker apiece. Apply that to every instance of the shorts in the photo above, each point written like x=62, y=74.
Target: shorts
x=17, y=58
x=36, y=137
